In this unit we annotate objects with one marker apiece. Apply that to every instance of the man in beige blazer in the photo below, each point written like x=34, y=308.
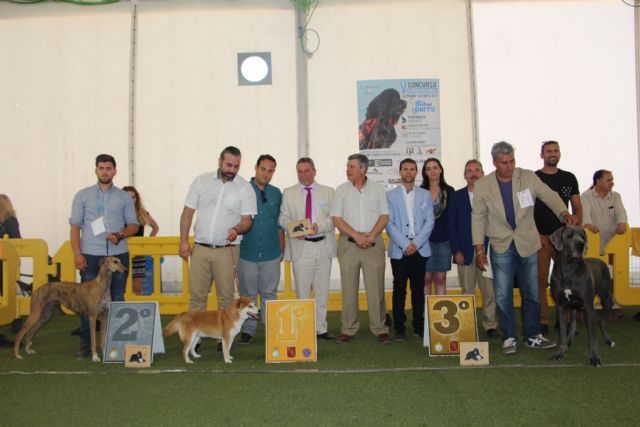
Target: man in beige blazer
x=311, y=255
x=503, y=205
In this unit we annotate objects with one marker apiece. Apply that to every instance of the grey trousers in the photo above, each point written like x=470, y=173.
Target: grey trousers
x=258, y=278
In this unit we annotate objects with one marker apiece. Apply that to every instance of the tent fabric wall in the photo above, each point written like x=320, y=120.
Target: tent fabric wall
x=563, y=71
x=188, y=105
x=64, y=82
x=545, y=70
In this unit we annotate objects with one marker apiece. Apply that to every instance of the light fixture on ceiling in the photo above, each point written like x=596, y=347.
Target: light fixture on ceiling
x=254, y=68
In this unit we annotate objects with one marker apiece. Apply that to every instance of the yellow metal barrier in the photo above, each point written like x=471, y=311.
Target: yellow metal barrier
x=38, y=250
x=10, y=273
x=157, y=247
x=617, y=252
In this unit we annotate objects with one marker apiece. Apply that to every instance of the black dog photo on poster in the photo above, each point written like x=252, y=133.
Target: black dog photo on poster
x=383, y=112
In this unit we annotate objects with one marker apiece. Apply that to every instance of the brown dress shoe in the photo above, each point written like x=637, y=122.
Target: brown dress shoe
x=383, y=338
x=344, y=338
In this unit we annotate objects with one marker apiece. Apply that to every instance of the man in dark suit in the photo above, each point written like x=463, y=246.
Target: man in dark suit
x=463, y=254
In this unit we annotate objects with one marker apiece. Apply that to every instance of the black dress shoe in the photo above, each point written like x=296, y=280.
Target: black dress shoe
x=399, y=336
x=344, y=338
x=492, y=333
x=245, y=338
x=83, y=353
x=5, y=341
x=325, y=336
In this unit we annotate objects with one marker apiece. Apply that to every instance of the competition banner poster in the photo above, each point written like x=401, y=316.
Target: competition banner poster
x=291, y=331
x=398, y=119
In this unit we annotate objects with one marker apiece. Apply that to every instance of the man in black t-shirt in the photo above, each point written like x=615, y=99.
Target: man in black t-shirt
x=565, y=184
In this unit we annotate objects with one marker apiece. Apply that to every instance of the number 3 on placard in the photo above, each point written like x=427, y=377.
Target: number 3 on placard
x=288, y=318
x=450, y=323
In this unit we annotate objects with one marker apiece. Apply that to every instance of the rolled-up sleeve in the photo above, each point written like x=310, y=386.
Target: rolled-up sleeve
x=192, y=196
x=620, y=211
x=249, y=204
x=77, y=210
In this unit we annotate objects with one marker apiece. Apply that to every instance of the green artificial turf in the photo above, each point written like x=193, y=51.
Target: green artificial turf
x=359, y=383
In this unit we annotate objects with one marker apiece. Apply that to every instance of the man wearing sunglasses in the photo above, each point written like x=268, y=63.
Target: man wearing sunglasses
x=262, y=247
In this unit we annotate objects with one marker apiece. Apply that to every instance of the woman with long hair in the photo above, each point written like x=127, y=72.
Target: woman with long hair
x=138, y=269
x=441, y=194
x=8, y=220
x=8, y=226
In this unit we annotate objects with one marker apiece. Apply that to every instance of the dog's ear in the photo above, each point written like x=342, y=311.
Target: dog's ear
x=556, y=239
x=102, y=261
x=583, y=234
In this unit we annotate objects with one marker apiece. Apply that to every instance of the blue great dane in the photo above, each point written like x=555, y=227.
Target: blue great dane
x=575, y=281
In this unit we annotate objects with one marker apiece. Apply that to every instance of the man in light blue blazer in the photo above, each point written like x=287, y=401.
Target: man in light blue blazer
x=409, y=227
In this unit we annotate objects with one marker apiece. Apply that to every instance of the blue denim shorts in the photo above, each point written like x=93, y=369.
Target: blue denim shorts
x=440, y=259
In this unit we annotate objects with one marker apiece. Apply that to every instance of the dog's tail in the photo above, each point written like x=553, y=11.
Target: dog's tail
x=172, y=327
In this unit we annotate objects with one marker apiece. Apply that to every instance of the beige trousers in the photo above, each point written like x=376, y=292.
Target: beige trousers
x=371, y=261
x=470, y=276
x=207, y=264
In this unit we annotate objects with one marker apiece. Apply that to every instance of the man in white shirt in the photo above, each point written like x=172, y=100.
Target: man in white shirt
x=225, y=203
x=603, y=211
x=360, y=212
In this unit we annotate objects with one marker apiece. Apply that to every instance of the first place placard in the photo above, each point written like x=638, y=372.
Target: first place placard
x=291, y=331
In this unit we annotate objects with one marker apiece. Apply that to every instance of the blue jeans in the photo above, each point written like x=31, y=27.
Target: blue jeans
x=118, y=282
x=506, y=267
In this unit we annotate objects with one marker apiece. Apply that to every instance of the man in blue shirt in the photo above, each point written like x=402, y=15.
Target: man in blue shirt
x=102, y=217
x=262, y=247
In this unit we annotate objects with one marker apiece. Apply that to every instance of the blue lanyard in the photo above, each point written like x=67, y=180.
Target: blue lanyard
x=102, y=202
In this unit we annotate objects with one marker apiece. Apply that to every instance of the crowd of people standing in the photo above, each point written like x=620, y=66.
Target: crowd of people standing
x=241, y=231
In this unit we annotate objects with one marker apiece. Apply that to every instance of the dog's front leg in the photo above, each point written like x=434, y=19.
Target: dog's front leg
x=226, y=349
x=92, y=332
x=594, y=357
x=573, y=326
x=104, y=318
x=562, y=349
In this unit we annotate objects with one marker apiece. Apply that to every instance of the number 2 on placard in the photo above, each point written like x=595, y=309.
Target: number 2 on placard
x=132, y=318
x=450, y=322
x=288, y=318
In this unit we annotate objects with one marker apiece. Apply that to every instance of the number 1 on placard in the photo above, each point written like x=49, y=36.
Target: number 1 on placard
x=289, y=318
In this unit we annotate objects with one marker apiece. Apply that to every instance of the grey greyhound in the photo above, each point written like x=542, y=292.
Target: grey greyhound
x=575, y=281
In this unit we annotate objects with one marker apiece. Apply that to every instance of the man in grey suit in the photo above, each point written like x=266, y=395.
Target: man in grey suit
x=503, y=211
x=310, y=255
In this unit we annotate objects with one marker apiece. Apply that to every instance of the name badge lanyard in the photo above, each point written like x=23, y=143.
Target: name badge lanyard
x=101, y=204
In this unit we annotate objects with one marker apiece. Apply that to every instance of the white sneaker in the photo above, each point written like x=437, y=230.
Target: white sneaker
x=539, y=341
x=509, y=346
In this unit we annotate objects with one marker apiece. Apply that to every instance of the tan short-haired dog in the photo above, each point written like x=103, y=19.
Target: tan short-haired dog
x=91, y=298
x=224, y=324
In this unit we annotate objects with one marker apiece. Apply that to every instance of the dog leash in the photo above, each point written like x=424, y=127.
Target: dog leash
x=235, y=271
